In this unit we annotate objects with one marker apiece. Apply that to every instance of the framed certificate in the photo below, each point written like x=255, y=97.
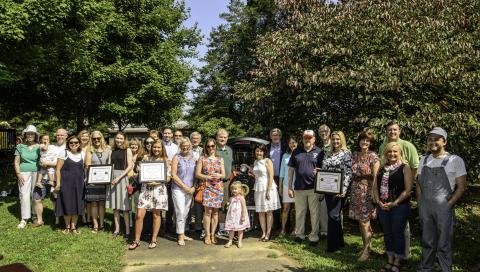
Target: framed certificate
x=153, y=171
x=329, y=182
x=100, y=174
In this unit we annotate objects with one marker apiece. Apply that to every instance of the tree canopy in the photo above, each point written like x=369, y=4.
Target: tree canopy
x=353, y=65
x=85, y=62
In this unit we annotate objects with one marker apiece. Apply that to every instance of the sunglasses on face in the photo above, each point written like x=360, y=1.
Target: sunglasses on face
x=96, y=139
x=72, y=143
x=210, y=146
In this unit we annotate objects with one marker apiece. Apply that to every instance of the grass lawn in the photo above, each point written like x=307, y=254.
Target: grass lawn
x=45, y=249
x=466, y=255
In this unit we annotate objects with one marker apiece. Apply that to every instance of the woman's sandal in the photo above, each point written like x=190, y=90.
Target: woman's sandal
x=387, y=267
x=95, y=230
x=186, y=238
x=152, y=245
x=66, y=231
x=229, y=244
x=214, y=240
x=181, y=242
x=207, y=240
x=76, y=231
x=133, y=245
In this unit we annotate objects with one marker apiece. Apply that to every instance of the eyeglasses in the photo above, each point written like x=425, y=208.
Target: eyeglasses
x=95, y=138
x=149, y=142
x=72, y=143
x=210, y=146
x=178, y=135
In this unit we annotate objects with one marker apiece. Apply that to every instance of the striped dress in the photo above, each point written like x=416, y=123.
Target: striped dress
x=117, y=195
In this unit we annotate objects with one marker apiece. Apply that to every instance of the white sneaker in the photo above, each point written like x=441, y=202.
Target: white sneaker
x=22, y=224
x=202, y=235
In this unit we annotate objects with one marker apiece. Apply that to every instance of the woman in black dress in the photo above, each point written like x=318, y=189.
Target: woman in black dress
x=70, y=185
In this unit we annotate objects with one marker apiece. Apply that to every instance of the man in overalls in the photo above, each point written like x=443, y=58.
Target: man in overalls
x=441, y=183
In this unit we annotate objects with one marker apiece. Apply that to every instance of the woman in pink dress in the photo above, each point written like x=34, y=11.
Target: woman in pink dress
x=237, y=216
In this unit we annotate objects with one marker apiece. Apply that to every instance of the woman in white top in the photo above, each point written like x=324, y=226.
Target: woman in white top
x=266, y=194
x=283, y=190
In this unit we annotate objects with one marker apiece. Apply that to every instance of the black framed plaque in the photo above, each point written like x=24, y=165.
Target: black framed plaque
x=329, y=182
x=100, y=174
x=153, y=171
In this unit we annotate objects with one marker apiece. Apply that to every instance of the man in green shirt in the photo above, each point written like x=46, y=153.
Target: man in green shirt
x=224, y=151
x=411, y=158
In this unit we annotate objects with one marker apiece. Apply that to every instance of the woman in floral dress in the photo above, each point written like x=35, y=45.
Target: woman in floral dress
x=153, y=196
x=211, y=170
x=338, y=159
x=364, y=171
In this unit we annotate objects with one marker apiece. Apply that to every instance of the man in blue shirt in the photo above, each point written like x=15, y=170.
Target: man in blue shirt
x=302, y=163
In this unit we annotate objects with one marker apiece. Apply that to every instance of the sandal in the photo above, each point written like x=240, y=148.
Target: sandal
x=115, y=234
x=207, y=240
x=66, y=231
x=387, y=267
x=95, y=230
x=229, y=244
x=186, y=238
x=134, y=245
x=75, y=231
x=152, y=245
x=239, y=244
x=214, y=240
x=181, y=242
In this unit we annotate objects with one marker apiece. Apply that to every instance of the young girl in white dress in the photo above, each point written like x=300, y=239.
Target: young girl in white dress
x=237, y=216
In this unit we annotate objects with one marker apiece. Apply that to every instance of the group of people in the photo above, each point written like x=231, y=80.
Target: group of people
x=378, y=185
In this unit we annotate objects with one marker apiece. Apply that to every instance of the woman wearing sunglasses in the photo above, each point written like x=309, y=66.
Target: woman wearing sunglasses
x=98, y=152
x=211, y=170
x=70, y=185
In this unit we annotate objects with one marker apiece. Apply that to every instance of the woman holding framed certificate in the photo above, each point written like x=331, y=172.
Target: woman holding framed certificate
x=153, y=195
x=210, y=168
x=98, y=153
x=339, y=159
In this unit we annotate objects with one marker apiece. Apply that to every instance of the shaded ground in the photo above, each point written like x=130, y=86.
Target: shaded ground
x=196, y=256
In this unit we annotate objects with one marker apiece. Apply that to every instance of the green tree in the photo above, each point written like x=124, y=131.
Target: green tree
x=88, y=62
x=358, y=64
x=228, y=61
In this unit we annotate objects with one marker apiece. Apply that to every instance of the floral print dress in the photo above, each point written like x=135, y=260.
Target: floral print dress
x=213, y=194
x=154, y=196
x=361, y=206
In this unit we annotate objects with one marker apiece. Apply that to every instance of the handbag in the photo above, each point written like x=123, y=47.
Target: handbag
x=199, y=195
x=133, y=187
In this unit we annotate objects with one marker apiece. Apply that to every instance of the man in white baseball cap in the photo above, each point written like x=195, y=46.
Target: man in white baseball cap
x=441, y=183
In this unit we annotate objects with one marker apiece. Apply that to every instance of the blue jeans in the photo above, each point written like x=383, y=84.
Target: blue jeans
x=393, y=224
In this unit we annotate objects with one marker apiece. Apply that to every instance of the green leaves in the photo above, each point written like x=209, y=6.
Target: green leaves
x=93, y=62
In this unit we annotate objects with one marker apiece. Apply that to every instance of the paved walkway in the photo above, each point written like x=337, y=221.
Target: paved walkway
x=195, y=256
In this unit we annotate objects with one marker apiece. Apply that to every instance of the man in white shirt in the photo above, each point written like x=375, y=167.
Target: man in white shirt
x=59, y=149
x=170, y=146
x=172, y=150
x=441, y=183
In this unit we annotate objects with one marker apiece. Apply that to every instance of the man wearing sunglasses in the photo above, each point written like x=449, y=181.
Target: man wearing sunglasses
x=303, y=162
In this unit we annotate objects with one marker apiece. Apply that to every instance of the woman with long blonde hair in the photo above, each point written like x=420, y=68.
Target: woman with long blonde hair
x=98, y=152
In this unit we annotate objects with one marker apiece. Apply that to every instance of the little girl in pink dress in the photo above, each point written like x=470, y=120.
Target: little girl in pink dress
x=237, y=216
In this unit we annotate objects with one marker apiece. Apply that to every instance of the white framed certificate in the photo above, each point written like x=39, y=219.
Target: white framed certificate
x=329, y=182
x=100, y=174
x=153, y=171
